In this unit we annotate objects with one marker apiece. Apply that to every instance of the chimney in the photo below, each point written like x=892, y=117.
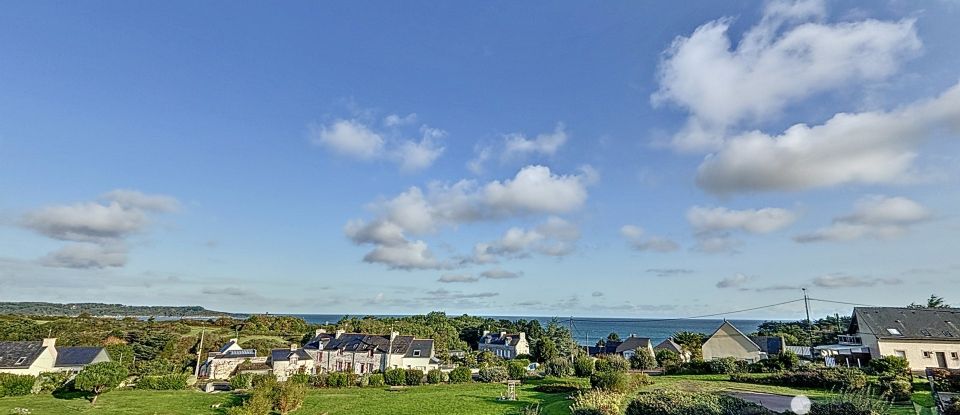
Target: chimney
x=50, y=342
x=319, y=332
x=394, y=334
x=339, y=333
x=293, y=347
x=503, y=334
x=523, y=336
x=233, y=341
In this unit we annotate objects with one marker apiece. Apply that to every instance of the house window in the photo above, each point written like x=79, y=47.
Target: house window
x=894, y=332
x=954, y=356
x=926, y=355
x=900, y=353
x=416, y=353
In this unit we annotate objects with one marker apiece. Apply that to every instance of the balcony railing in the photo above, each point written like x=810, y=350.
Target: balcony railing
x=850, y=340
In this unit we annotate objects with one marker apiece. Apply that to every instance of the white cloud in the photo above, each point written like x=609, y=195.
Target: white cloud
x=766, y=220
x=736, y=281
x=407, y=256
x=394, y=120
x=86, y=255
x=350, y=138
x=554, y=237
x=499, y=274
x=877, y=217
x=868, y=147
x=790, y=55
x=452, y=278
x=717, y=243
x=635, y=236
x=518, y=145
x=138, y=200
x=846, y=281
x=475, y=165
x=535, y=189
x=421, y=154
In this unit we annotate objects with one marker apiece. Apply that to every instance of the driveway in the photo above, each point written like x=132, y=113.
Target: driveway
x=776, y=403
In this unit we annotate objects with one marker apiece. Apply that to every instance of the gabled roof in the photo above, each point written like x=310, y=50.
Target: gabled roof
x=734, y=331
x=768, y=344
x=23, y=352
x=507, y=339
x=670, y=345
x=631, y=343
x=282, y=355
x=230, y=345
x=942, y=324
x=76, y=356
x=360, y=342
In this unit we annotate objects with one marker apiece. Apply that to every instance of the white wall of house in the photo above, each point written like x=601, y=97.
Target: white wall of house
x=728, y=342
x=921, y=354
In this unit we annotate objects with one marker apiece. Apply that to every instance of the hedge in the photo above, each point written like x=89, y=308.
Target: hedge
x=460, y=375
x=174, y=381
x=16, y=385
x=824, y=378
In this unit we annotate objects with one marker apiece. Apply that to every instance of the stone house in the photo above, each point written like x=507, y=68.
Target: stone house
x=503, y=344
x=287, y=362
x=223, y=363
x=36, y=357
x=366, y=353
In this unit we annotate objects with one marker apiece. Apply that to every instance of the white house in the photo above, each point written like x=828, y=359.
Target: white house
x=35, y=357
x=503, y=344
x=729, y=341
x=364, y=353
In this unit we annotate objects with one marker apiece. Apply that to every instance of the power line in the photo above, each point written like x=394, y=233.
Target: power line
x=683, y=318
x=844, y=303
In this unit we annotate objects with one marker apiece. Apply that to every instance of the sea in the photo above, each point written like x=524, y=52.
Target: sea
x=587, y=330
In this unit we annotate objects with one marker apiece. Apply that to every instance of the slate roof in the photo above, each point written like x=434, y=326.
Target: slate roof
x=508, y=339
x=768, y=344
x=282, y=355
x=632, y=343
x=670, y=345
x=76, y=356
x=941, y=324
x=359, y=342
x=11, y=352
x=228, y=345
x=237, y=354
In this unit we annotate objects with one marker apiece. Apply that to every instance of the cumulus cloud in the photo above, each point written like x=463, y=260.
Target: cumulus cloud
x=451, y=278
x=638, y=240
x=790, y=55
x=877, y=217
x=868, y=147
x=499, y=274
x=97, y=229
x=534, y=190
x=766, y=220
x=846, y=281
x=736, y=281
x=518, y=145
x=359, y=140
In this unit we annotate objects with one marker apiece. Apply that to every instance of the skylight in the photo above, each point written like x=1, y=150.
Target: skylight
x=894, y=332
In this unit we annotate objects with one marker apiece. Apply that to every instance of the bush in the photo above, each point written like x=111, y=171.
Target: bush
x=695, y=367
x=241, y=381
x=597, y=402
x=260, y=402
x=556, y=388
x=517, y=370
x=897, y=388
x=50, y=382
x=434, y=376
x=643, y=359
x=99, y=378
x=341, y=379
x=288, y=397
x=493, y=374
x=689, y=403
x=260, y=380
x=375, y=379
x=301, y=378
x=583, y=366
x=460, y=375
x=559, y=367
x=725, y=366
x=636, y=380
x=413, y=377
x=952, y=408
x=613, y=362
x=163, y=382
x=890, y=366
x=16, y=385
x=395, y=377
x=610, y=380
x=836, y=378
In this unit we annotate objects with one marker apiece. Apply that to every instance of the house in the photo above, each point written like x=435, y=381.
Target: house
x=672, y=346
x=503, y=344
x=35, y=357
x=365, y=353
x=926, y=337
x=288, y=362
x=223, y=363
x=729, y=341
x=626, y=348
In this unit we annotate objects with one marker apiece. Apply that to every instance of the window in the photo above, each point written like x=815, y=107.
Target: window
x=900, y=353
x=416, y=353
x=954, y=355
x=894, y=332
x=21, y=360
x=926, y=355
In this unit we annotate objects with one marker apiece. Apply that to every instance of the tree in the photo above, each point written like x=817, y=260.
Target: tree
x=613, y=336
x=100, y=377
x=934, y=301
x=547, y=350
x=690, y=342
x=643, y=359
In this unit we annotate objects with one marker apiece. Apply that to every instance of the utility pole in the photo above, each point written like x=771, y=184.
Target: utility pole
x=196, y=371
x=806, y=303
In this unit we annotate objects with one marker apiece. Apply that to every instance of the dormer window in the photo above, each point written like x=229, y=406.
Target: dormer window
x=416, y=353
x=21, y=360
x=895, y=332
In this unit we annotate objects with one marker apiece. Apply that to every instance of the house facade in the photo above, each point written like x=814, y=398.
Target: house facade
x=36, y=357
x=926, y=337
x=503, y=344
x=223, y=363
x=729, y=341
x=366, y=353
x=287, y=362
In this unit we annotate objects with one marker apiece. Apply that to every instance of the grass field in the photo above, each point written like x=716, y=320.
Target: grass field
x=464, y=399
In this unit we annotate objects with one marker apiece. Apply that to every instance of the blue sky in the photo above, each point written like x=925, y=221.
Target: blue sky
x=538, y=158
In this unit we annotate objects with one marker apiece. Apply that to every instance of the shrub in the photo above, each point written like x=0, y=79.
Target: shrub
x=301, y=378
x=559, y=367
x=241, y=381
x=583, y=366
x=952, y=408
x=288, y=397
x=99, y=378
x=434, y=376
x=260, y=380
x=643, y=359
x=688, y=403
x=395, y=377
x=636, y=380
x=163, y=382
x=725, y=366
x=610, y=380
x=50, y=382
x=823, y=378
x=890, y=366
x=341, y=379
x=375, y=379
x=413, y=377
x=897, y=388
x=16, y=385
x=597, y=402
x=668, y=358
x=613, y=362
x=460, y=374
x=530, y=410
x=517, y=370
x=259, y=403
x=319, y=380
x=556, y=388
x=493, y=374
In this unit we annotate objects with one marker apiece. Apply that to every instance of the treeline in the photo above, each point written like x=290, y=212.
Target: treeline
x=99, y=309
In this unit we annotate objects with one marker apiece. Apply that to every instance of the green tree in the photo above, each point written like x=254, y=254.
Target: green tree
x=691, y=343
x=100, y=377
x=613, y=336
x=547, y=350
x=934, y=301
x=643, y=359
